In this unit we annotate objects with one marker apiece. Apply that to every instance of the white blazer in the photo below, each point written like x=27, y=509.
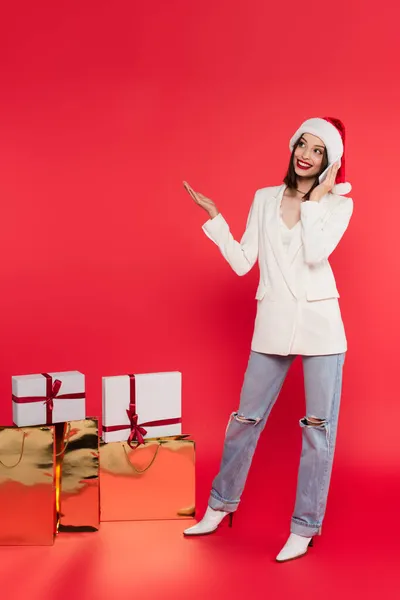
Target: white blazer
x=297, y=310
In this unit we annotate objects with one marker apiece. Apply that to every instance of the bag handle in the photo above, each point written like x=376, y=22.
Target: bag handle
x=24, y=434
x=65, y=442
x=148, y=466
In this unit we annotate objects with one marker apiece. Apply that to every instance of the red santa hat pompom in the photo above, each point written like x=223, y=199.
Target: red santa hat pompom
x=332, y=132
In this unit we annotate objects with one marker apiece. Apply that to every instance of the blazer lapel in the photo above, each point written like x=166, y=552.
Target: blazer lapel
x=273, y=231
x=295, y=244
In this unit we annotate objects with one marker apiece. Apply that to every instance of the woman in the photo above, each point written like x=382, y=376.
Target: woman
x=292, y=229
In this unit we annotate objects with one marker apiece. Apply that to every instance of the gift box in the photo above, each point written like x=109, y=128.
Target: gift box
x=78, y=493
x=27, y=486
x=140, y=406
x=154, y=480
x=47, y=398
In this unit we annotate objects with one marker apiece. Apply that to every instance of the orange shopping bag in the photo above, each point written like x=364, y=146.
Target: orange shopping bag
x=155, y=480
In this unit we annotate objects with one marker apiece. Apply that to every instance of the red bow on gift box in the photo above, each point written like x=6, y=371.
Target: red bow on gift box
x=137, y=431
x=51, y=392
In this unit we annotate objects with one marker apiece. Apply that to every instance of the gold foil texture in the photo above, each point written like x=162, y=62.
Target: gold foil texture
x=152, y=481
x=78, y=498
x=27, y=486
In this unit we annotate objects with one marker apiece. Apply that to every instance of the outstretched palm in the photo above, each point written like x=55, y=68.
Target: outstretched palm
x=206, y=203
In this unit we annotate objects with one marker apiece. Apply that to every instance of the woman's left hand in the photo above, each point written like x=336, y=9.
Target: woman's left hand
x=326, y=186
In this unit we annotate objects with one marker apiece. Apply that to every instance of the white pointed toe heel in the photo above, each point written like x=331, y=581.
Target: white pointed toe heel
x=295, y=547
x=209, y=522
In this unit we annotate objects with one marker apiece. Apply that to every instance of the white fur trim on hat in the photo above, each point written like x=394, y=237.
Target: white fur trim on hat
x=341, y=188
x=329, y=135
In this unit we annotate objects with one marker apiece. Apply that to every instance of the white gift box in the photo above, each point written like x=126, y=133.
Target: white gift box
x=33, y=404
x=157, y=397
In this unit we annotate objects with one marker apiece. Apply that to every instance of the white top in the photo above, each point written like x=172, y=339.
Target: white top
x=287, y=234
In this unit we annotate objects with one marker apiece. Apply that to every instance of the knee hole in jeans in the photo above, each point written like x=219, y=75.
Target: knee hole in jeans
x=312, y=421
x=247, y=420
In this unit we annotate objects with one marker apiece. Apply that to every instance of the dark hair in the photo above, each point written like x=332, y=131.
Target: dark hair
x=291, y=177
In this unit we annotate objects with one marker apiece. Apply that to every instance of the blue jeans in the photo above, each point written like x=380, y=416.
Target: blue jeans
x=263, y=380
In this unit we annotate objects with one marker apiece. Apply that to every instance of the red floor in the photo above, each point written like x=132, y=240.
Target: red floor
x=356, y=557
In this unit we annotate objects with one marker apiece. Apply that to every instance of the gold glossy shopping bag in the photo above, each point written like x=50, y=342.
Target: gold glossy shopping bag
x=78, y=494
x=155, y=480
x=27, y=486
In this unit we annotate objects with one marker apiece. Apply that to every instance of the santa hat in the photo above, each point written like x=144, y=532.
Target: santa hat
x=332, y=132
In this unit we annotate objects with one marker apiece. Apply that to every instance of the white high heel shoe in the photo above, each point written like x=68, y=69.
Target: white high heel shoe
x=296, y=546
x=209, y=522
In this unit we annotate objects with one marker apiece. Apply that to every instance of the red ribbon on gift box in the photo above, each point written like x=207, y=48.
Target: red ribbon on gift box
x=52, y=389
x=138, y=431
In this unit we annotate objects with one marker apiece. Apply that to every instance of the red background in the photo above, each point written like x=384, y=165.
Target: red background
x=105, y=108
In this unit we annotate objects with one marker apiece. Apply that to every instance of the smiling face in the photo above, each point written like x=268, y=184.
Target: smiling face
x=308, y=156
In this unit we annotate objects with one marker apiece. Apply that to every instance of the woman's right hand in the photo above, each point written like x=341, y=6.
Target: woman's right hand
x=206, y=203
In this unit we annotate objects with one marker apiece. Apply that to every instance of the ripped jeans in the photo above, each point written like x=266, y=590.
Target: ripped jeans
x=263, y=380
